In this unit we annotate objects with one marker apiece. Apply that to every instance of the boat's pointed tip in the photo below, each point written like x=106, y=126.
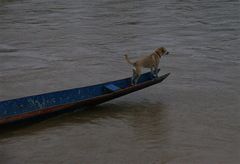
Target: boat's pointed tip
x=167, y=74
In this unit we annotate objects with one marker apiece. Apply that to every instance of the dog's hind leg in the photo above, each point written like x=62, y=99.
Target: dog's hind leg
x=135, y=79
x=138, y=74
x=134, y=76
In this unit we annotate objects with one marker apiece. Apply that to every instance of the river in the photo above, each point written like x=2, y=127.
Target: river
x=191, y=117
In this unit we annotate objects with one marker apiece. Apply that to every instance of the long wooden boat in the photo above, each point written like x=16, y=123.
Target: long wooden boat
x=12, y=111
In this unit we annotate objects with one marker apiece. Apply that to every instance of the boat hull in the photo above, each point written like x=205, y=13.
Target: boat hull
x=11, y=117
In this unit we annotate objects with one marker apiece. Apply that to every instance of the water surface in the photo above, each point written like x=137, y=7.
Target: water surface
x=192, y=117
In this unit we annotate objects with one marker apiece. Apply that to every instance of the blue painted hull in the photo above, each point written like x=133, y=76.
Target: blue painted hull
x=68, y=100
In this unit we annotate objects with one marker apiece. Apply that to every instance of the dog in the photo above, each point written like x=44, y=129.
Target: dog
x=151, y=61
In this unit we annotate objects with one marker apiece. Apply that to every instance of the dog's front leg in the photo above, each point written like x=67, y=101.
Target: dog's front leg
x=156, y=71
x=152, y=71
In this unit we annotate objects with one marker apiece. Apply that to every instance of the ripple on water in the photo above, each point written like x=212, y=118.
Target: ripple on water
x=6, y=48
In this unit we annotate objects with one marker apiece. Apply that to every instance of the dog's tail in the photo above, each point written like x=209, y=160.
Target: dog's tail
x=126, y=57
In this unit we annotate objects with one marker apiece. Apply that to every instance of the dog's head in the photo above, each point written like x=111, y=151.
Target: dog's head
x=161, y=51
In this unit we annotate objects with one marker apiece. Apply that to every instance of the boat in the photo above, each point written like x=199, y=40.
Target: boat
x=53, y=103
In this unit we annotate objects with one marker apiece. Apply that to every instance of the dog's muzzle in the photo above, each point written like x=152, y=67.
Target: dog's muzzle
x=167, y=53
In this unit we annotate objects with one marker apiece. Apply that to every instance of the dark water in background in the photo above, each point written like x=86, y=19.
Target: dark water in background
x=192, y=117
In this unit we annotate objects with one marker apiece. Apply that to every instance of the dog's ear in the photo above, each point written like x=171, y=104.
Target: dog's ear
x=160, y=50
x=163, y=50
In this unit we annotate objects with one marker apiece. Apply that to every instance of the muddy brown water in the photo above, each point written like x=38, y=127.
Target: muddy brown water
x=191, y=117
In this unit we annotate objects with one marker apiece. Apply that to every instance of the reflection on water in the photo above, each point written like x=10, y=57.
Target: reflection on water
x=192, y=117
